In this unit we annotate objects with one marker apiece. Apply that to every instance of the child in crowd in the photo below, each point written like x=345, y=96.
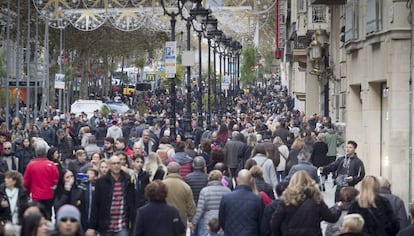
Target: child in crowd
x=213, y=227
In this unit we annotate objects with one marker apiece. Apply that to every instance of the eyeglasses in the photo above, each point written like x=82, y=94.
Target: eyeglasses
x=7, y=148
x=116, y=163
x=66, y=219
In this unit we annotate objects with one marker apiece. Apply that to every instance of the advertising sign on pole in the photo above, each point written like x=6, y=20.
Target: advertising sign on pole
x=170, y=58
x=225, y=83
x=59, y=81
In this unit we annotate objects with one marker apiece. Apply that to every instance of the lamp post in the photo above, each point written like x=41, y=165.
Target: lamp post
x=199, y=13
x=220, y=52
x=188, y=18
x=216, y=45
x=226, y=53
x=238, y=52
x=210, y=30
x=173, y=94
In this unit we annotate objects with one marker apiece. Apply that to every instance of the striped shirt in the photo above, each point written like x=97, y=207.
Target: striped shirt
x=118, y=218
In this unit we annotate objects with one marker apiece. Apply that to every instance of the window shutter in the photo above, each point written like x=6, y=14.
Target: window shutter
x=372, y=17
x=349, y=20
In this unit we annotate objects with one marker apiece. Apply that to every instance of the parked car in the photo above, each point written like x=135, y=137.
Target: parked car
x=87, y=106
x=118, y=107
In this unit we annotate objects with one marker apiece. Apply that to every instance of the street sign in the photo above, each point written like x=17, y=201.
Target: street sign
x=170, y=58
x=225, y=83
x=59, y=81
x=188, y=58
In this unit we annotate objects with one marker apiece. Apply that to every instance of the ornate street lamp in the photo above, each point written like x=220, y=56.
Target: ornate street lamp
x=188, y=5
x=227, y=54
x=215, y=45
x=210, y=30
x=219, y=48
x=199, y=13
x=319, y=58
x=237, y=47
x=315, y=55
x=173, y=10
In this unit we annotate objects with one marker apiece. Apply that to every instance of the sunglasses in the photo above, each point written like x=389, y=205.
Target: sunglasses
x=7, y=148
x=66, y=219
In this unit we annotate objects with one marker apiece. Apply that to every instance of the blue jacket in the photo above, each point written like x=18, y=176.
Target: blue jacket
x=158, y=218
x=241, y=212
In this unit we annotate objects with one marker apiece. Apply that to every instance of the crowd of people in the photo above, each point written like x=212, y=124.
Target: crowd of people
x=259, y=169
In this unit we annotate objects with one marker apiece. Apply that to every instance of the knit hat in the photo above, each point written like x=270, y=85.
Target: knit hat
x=68, y=211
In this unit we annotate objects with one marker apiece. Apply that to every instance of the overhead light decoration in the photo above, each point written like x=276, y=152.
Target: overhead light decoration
x=130, y=19
x=127, y=15
x=87, y=20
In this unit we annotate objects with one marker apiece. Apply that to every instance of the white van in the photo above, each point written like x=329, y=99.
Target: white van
x=87, y=106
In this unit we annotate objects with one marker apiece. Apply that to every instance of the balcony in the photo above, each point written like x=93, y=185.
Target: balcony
x=299, y=51
x=318, y=17
x=328, y=2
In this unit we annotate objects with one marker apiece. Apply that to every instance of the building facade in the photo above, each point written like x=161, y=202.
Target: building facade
x=361, y=78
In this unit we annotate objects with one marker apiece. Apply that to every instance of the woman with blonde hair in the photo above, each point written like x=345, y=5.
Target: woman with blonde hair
x=302, y=209
x=297, y=146
x=284, y=154
x=375, y=209
x=155, y=167
x=84, y=134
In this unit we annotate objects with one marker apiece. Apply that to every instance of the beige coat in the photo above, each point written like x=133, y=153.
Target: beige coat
x=180, y=196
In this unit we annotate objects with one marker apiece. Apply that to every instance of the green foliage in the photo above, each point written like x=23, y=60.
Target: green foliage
x=140, y=63
x=141, y=107
x=179, y=76
x=269, y=57
x=105, y=110
x=204, y=99
x=69, y=72
x=248, y=63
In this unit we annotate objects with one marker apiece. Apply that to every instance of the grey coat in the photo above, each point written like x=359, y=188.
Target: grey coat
x=306, y=166
x=397, y=206
x=209, y=203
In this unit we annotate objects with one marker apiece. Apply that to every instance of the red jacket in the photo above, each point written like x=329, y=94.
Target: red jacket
x=40, y=178
x=128, y=151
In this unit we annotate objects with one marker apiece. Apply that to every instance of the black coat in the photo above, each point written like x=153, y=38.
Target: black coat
x=102, y=201
x=100, y=135
x=379, y=221
x=318, y=156
x=25, y=155
x=5, y=213
x=302, y=220
x=267, y=216
x=139, y=184
x=65, y=146
x=158, y=218
x=407, y=231
x=356, y=169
